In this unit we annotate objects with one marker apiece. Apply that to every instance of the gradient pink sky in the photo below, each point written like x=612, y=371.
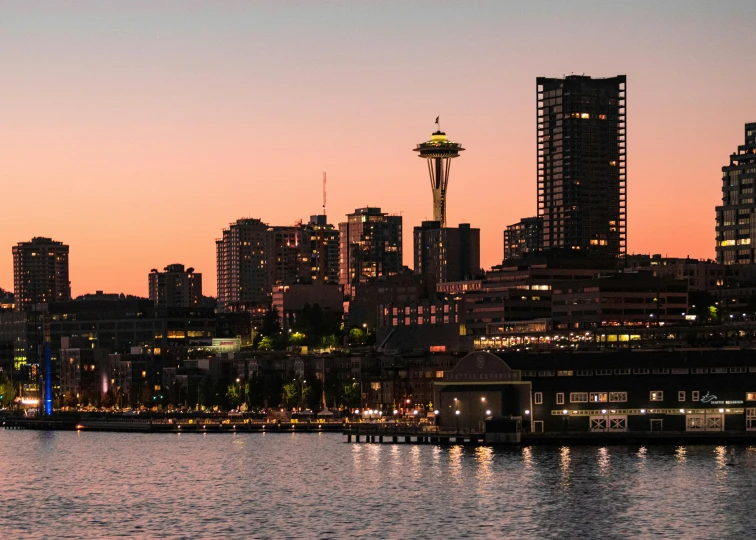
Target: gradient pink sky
x=136, y=131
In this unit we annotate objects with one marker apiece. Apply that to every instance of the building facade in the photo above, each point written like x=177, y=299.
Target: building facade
x=736, y=217
x=40, y=272
x=244, y=258
x=322, y=242
x=175, y=286
x=523, y=238
x=582, y=180
x=447, y=253
x=370, y=245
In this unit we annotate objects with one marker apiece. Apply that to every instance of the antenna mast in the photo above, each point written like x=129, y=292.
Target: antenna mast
x=324, y=193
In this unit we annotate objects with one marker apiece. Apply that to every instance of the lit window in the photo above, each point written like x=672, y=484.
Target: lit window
x=656, y=396
x=618, y=396
x=694, y=395
x=598, y=397
x=538, y=398
x=681, y=395
x=750, y=396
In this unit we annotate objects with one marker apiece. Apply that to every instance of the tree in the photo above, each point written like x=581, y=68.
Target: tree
x=357, y=336
x=232, y=394
x=292, y=393
x=351, y=395
x=329, y=342
x=271, y=324
x=296, y=339
x=7, y=391
x=266, y=344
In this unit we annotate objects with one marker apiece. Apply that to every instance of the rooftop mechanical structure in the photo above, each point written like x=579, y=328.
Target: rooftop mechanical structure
x=439, y=151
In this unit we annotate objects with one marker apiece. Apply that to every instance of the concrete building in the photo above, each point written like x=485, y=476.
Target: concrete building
x=523, y=239
x=84, y=374
x=447, y=253
x=510, y=293
x=628, y=300
x=370, y=246
x=736, y=216
x=175, y=287
x=40, y=272
x=582, y=179
x=365, y=300
x=244, y=258
x=701, y=275
x=290, y=300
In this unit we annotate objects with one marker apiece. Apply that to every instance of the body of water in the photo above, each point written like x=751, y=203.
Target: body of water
x=102, y=485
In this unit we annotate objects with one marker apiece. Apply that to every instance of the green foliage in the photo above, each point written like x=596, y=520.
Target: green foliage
x=233, y=395
x=296, y=339
x=357, y=336
x=331, y=341
x=266, y=344
x=351, y=395
x=292, y=393
x=7, y=391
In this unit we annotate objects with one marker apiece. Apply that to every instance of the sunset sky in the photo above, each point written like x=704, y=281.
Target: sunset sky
x=135, y=131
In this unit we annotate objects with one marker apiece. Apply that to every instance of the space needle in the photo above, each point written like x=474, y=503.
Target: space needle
x=439, y=151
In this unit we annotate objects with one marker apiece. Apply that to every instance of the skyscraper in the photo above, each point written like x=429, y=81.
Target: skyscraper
x=40, y=272
x=582, y=179
x=736, y=217
x=371, y=245
x=439, y=151
x=291, y=261
x=244, y=257
x=447, y=253
x=322, y=241
x=175, y=287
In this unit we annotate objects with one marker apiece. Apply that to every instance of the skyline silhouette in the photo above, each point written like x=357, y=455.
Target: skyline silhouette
x=136, y=132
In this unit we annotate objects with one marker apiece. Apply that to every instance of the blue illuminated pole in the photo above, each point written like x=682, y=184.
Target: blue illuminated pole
x=47, y=370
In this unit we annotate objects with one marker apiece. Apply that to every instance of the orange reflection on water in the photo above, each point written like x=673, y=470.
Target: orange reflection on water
x=603, y=460
x=484, y=458
x=565, y=465
x=455, y=462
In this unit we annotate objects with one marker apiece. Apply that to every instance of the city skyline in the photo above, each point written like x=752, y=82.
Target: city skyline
x=143, y=141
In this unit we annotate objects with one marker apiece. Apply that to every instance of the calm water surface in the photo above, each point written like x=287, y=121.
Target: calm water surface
x=100, y=485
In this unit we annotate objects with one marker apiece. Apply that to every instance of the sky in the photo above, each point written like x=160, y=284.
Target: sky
x=135, y=131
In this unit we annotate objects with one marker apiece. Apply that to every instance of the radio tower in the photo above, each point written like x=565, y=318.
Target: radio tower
x=324, y=192
x=439, y=151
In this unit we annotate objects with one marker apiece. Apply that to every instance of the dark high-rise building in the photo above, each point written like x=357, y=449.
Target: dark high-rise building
x=370, y=245
x=322, y=243
x=582, y=195
x=736, y=217
x=447, y=253
x=40, y=272
x=175, y=287
x=291, y=261
x=523, y=238
x=243, y=255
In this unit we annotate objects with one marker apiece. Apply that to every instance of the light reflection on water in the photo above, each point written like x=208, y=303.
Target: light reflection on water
x=96, y=485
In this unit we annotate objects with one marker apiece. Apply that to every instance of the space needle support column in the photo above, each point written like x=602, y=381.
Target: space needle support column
x=439, y=151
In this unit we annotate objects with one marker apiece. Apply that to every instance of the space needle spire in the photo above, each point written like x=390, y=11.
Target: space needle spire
x=439, y=151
